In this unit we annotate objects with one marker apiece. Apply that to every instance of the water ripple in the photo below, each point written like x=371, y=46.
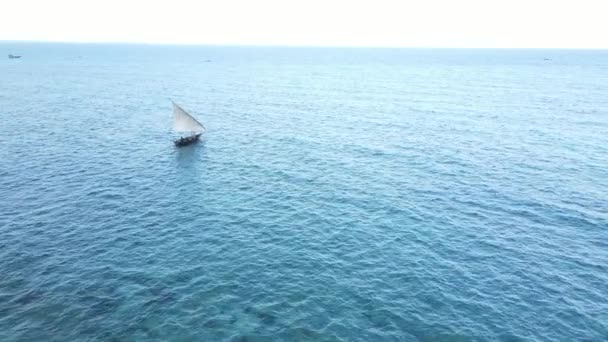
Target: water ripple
x=339, y=195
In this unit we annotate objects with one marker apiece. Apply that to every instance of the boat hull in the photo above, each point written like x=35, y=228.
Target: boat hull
x=185, y=141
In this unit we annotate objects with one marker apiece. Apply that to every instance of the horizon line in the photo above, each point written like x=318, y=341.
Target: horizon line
x=2, y=41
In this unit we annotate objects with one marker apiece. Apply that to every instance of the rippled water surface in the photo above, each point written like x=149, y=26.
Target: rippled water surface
x=338, y=195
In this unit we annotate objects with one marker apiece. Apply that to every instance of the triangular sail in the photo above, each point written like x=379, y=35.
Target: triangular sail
x=184, y=122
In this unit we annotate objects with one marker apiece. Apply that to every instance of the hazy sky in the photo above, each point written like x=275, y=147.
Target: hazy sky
x=418, y=23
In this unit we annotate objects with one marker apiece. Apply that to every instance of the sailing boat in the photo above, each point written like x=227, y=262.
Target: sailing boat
x=184, y=122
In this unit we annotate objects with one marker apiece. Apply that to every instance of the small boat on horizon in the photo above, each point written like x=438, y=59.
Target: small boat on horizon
x=184, y=122
x=13, y=56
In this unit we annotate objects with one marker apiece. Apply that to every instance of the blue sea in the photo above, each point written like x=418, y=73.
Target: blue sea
x=338, y=194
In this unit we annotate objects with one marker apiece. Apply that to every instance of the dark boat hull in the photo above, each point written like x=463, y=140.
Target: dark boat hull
x=185, y=141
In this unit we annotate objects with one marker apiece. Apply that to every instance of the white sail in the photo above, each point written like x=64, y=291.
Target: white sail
x=184, y=122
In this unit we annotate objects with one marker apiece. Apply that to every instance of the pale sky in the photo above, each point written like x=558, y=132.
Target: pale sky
x=377, y=23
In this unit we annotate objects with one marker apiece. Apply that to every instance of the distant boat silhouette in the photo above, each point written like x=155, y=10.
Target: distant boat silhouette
x=184, y=122
x=13, y=56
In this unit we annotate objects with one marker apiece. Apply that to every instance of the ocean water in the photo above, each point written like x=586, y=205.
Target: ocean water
x=338, y=194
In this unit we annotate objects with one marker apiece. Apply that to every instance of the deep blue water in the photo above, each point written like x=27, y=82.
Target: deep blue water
x=338, y=195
